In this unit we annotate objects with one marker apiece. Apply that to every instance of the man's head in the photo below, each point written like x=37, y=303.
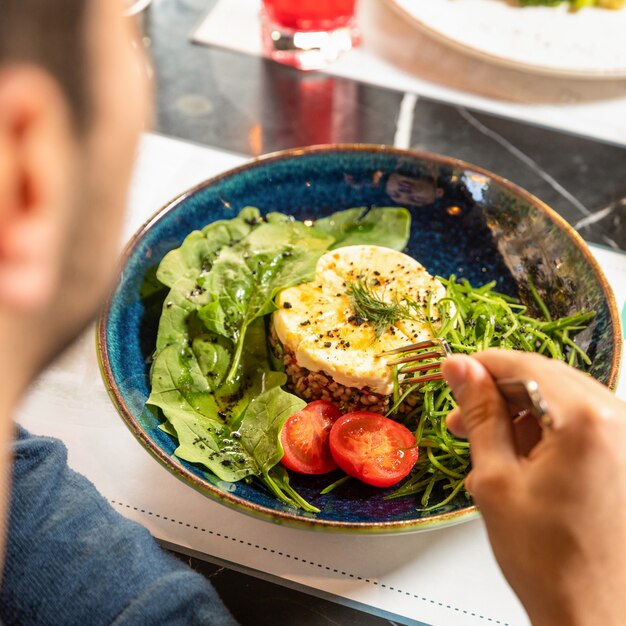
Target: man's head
x=72, y=104
x=50, y=35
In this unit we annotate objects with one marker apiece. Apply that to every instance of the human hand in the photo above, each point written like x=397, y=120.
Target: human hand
x=556, y=517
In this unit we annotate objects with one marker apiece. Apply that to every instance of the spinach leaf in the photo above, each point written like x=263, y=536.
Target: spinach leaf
x=387, y=227
x=182, y=392
x=199, y=249
x=183, y=269
x=166, y=427
x=246, y=277
x=213, y=356
x=204, y=422
x=278, y=479
x=179, y=308
x=261, y=425
x=204, y=413
x=260, y=435
x=189, y=376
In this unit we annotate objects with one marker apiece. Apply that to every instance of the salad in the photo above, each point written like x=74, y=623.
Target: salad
x=219, y=378
x=577, y=4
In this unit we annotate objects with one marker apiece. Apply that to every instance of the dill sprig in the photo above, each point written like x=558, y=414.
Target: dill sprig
x=370, y=305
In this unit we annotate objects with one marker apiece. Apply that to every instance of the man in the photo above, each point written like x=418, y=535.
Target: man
x=72, y=104
x=71, y=108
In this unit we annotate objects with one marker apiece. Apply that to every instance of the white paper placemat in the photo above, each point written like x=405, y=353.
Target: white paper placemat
x=397, y=55
x=445, y=577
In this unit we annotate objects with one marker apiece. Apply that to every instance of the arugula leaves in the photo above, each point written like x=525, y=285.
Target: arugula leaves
x=212, y=376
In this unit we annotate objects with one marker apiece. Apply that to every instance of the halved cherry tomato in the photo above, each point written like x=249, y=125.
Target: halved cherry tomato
x=304, y=438
x=373, y=448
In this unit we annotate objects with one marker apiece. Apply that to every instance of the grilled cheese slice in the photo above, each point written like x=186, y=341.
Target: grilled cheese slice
x=318, y=324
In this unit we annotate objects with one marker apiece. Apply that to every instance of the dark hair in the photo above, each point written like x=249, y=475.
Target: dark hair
x=52, y=35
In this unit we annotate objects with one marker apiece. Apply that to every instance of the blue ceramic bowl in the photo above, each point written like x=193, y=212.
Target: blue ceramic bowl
x=466, y=221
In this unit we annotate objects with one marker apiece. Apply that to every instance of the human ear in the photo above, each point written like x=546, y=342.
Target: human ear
x=37, y=156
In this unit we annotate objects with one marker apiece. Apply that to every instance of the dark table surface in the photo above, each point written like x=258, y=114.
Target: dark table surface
x=206, y=95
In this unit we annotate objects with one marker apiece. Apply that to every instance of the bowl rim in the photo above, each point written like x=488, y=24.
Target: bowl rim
x=283, y=517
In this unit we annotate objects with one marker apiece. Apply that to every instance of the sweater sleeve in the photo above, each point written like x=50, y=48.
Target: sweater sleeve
x=72, y=559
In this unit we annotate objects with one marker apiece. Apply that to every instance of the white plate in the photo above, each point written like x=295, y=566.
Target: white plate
x=589, y=43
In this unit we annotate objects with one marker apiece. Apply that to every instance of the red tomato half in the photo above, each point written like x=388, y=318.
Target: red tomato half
x=373, y=448
x=304, y=438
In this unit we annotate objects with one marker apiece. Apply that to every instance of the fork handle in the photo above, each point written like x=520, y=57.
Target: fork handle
x=524, y=395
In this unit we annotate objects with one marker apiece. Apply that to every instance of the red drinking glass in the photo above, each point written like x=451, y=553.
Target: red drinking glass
x=308, y=34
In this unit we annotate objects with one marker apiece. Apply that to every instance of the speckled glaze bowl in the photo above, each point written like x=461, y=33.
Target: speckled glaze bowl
x=466, y=221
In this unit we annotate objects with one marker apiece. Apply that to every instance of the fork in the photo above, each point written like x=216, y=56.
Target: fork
x=426, y=356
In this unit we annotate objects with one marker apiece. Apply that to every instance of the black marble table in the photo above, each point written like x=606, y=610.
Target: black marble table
x=211, y=96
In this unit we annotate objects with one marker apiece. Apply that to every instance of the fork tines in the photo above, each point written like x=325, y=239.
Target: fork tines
x=522, y=395
x=427, y=362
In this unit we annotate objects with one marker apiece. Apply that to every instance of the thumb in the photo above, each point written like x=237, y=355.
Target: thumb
x=483, y=411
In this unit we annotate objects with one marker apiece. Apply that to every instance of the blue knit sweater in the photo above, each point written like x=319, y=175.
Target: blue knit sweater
x=71, y=559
